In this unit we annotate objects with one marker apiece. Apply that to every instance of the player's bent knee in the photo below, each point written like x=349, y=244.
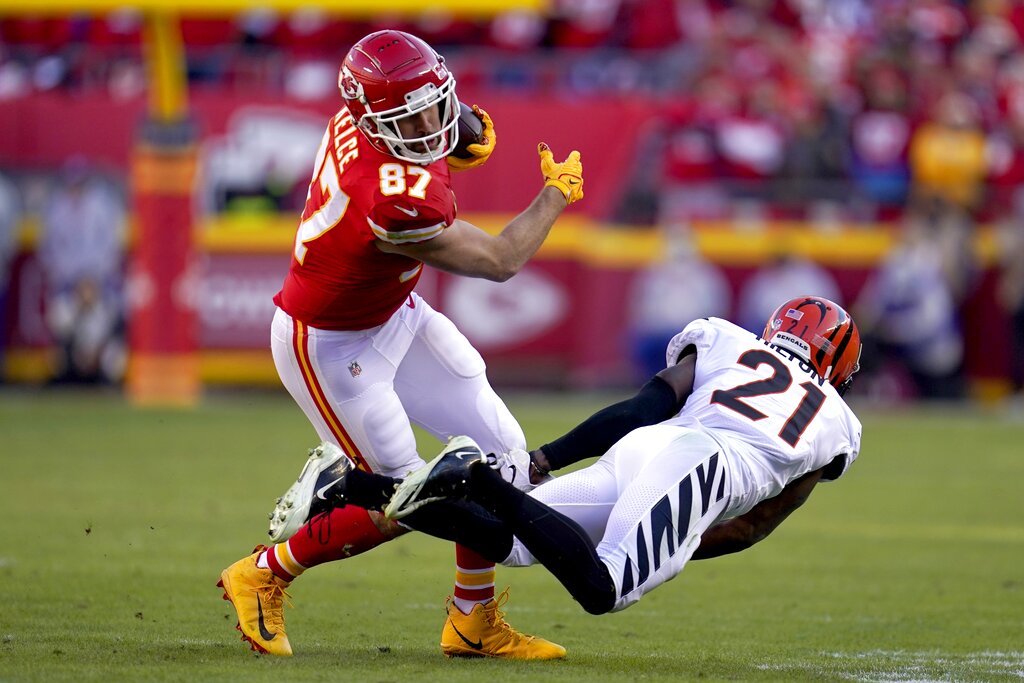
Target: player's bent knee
x=601, y=602
x=594, y=589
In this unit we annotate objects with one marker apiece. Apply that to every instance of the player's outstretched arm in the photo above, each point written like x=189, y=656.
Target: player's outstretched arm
x=658, y=400
x=464, y=249
x=739, y=533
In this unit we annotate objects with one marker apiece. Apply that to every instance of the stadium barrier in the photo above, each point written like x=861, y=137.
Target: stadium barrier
x=562, y=322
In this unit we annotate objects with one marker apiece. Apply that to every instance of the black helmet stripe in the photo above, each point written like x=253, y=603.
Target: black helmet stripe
x=820, y=356
x=845, y=342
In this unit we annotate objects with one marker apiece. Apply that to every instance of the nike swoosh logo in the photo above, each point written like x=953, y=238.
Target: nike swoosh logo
x=513, y=468
x=408, y=212
x=267, y=635
x=323, y=489
x=478, y=645
x=461, y=455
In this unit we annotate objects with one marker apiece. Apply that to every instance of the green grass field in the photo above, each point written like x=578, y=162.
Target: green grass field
x=117, y=523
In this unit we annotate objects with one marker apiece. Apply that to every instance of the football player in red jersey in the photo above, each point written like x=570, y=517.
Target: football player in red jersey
x=364, y=356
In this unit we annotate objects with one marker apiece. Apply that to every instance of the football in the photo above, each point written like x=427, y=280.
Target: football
x=471, y=129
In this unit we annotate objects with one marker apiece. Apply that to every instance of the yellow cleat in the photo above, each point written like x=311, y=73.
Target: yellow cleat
x=485, y=633
x=258, y=597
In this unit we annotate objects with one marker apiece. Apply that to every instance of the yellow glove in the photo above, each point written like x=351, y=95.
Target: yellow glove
x=481, y=151
x=566, y=177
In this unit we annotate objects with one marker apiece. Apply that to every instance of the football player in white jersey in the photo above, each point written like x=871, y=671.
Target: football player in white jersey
x=754, y=422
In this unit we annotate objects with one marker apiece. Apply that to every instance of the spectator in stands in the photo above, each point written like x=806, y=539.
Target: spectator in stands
x=880, y=139
x=908, y=309
x=10, y=211
x=691, y=187
x=672, y=292
x=1006, y=148
x=81, y=253
x=975, y=67
x=816, y=154
x=947, y=153
x=752, y=144
x=583, y=25
x=787, y=275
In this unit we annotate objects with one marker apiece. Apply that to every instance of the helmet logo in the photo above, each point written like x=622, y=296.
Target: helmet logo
x=794, y=314
x=351, y=89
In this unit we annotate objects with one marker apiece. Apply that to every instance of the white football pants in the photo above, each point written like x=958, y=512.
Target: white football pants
x=361, y=389
x=644, y=504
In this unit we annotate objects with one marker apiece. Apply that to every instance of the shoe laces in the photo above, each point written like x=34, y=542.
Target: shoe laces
x=275, y=594
x=275, y=597
x=496, y=616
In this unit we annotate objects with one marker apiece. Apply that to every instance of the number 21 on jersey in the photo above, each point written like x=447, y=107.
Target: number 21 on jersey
x=779, y=382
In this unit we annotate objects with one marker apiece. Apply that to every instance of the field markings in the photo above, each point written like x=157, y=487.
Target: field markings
x=892, y=666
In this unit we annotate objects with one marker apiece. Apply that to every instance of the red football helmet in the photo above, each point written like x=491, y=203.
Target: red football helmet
x=821, y=333
x=389, y=75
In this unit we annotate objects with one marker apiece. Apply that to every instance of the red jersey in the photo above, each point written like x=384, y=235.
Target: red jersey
x=339, y=279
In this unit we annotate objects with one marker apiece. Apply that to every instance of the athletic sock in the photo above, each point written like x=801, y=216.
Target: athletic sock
x=474, y=579
x=282, y=563
x=344, y=532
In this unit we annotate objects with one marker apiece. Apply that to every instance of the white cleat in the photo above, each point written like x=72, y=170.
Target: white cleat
x=319, y=488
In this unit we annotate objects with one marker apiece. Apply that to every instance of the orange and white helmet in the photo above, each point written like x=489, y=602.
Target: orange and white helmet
x=821, y=333
x=389, y=75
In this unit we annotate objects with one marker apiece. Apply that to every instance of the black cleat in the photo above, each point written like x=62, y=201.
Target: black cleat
x=446, y=477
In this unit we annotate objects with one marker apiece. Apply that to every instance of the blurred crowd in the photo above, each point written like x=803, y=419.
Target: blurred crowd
x=828, y=109
x=80, y=252
x=833, y=112
x=909, y=310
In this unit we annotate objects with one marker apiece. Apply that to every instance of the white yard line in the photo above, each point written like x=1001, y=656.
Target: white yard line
x=901, y=666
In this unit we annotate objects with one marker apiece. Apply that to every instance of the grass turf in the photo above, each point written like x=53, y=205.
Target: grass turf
x=118, y=521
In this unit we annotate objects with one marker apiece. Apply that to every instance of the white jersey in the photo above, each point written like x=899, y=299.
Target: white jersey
x=773, y=416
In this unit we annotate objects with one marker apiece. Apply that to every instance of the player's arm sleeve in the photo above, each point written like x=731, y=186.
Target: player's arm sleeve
x=696, y=334
x=405, y=223
x=835, y=468
x=658, y=400
x=739, y=533
x=848, y=453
